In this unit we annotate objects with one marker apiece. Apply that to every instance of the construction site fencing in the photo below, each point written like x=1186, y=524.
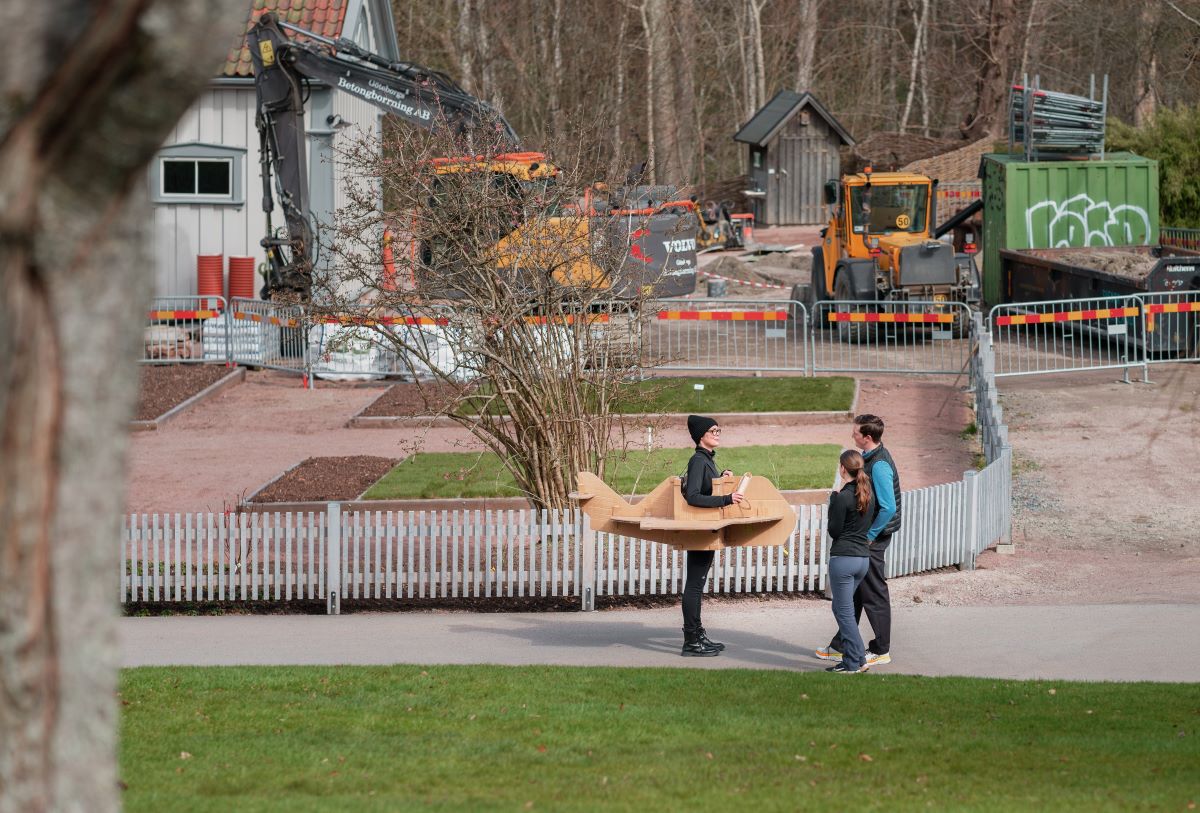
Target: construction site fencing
x=732, y=334
x=267, y=334
x=954, y=196
x=1170, y=326
x=891, y=337
x=1071, y=335
x=185, y=329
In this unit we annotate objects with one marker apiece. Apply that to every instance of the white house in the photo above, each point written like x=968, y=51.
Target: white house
x=206, y=181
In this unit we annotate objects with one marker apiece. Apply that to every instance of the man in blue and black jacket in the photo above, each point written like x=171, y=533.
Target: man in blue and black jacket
x=697, y=491
x=872, y=595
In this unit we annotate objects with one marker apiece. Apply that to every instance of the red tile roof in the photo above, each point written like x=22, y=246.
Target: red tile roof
x=324, y=17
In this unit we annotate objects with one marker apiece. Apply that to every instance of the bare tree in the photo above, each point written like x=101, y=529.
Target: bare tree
x=996, y=55
x=90, y=94
x=920, y=23
x=806, y=44
x=508, y=310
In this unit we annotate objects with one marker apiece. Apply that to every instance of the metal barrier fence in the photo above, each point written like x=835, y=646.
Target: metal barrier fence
x=185, y=329
x=1066, y=335
x=891, y=337
x=733, y=334
x=1170, y=326
x=265, y=334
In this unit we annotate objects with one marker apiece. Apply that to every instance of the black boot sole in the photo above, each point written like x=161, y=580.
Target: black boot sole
x=707, y=653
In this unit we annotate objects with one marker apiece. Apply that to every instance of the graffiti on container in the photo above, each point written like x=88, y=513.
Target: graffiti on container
x=1081, y=221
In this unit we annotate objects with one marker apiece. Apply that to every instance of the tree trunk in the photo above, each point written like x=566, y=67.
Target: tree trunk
x=991, y=91
x=919, y=23
x=806, y=45
x=1146, y=81
x=687, y=143
x=91, y=94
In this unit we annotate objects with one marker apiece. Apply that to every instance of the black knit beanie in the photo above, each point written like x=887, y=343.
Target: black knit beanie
x=698, y=425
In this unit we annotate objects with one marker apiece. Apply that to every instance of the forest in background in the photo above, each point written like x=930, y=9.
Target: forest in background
x=673, y=80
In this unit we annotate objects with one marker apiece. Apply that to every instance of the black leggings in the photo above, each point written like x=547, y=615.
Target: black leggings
x=699, y=562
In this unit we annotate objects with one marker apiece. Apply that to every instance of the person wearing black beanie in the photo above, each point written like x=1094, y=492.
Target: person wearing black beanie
x=697, y=491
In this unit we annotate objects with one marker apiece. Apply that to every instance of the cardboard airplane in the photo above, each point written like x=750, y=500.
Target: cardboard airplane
x=765, y=518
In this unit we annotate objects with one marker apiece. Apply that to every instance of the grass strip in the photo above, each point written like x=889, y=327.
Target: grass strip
x=462, y=474
x=575, y=739
x=673, y=395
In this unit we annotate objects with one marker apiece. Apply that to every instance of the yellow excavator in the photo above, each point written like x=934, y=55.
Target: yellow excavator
x=659, y=257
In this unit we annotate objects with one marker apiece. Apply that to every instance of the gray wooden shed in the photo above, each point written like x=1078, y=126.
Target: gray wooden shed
x=793, y=143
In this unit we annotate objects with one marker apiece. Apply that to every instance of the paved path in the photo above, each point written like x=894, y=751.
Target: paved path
x=1101, y=642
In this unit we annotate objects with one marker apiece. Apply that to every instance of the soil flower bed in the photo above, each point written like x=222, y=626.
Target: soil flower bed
x=163, y=387
x=321, y=479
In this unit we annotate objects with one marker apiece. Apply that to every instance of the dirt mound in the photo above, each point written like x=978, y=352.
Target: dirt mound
x=165, y=386
x=1128, y=264
x=327, y=479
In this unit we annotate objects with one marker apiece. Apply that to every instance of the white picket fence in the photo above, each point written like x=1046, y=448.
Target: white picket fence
x=333, y=555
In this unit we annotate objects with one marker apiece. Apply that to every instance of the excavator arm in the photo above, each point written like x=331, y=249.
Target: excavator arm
x=282, y=65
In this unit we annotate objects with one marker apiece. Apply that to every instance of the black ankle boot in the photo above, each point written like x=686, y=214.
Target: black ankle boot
x=693, y=646
x=710, y=644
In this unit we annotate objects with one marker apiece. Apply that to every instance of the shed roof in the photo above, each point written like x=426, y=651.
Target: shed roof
x=763, y=126
x=324, y=17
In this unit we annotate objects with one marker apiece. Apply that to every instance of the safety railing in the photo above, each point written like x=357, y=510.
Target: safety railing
x=891, y=337
x=1170, y=326
x=732, y=334
x=266, y=334
x=1066, y=335
x=185, y=329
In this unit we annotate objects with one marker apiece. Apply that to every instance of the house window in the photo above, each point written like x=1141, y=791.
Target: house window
x=208, y=177
x=757, y=159
x=195, y=173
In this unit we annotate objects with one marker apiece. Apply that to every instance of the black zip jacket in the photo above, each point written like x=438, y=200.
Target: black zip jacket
x=848, y=528
x=701, y=470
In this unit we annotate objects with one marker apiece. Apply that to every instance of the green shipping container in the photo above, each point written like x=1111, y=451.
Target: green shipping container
x=1058, y=204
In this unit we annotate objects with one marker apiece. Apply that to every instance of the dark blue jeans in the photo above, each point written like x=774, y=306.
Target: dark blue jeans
x=845, y=574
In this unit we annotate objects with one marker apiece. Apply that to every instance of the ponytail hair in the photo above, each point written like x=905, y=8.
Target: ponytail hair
x=852, y=462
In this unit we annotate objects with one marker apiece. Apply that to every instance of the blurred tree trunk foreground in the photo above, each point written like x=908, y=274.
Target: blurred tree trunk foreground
x=90, y=91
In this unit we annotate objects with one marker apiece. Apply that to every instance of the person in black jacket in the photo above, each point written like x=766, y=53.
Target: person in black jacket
x=851, y=512
x=701, y=470
x=872, y=596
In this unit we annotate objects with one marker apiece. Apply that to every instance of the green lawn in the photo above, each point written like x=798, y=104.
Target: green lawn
x=566, y=739
x=742, y=395
x=459, y=474
x=659, y=395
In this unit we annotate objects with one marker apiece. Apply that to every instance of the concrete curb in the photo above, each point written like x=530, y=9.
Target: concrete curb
x=236, y=377
x=360, y=421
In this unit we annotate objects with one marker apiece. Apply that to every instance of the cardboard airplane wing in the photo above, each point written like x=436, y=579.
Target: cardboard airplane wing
x=765, y=518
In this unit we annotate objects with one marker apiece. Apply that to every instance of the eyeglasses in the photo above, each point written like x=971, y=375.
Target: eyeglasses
x=716, y=430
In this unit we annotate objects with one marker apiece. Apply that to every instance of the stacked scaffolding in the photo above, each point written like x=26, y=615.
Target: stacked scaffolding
x=1051, y=125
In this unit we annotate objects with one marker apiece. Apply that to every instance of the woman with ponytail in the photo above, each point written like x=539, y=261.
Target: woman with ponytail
x=851, y=511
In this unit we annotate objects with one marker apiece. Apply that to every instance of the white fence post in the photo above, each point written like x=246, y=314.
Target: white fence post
x=970, y=519
x=333, y=558
x=587, y=559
